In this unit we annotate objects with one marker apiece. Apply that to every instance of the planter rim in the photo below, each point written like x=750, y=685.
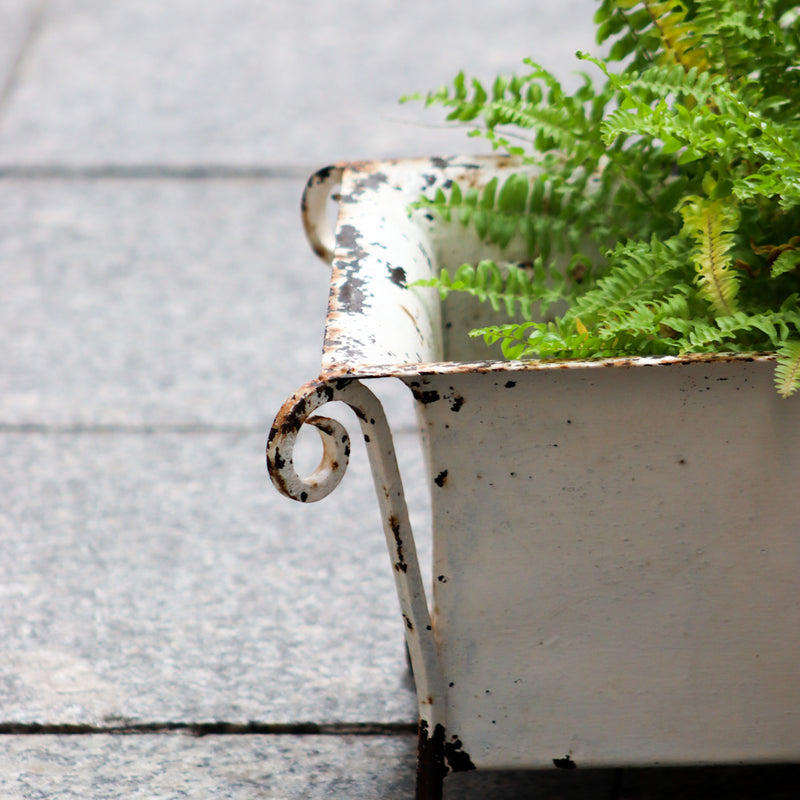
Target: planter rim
x=413, y=369
x=359, y=277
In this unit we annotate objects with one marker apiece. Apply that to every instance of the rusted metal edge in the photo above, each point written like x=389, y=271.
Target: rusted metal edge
x=315, y=222
x=534, y=365
x=437, y=756
x=320, y=185
x=296, y=412
x=370, y=181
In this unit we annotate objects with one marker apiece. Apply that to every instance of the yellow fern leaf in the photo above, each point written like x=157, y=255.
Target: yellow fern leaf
x=711, y=225
x=787, y=373
x=681, y=42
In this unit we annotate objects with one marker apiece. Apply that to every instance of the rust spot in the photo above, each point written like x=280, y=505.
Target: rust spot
x=371, y=181
x=457, y=759
x=441, y=478
x=397, y=275
x=351, y=294
x=564, y=763
x=400, y=564
x=326, y=392
x=431, y=767
x=323, y=174
x=425, y=396
x=456, y=401
x=280, y=482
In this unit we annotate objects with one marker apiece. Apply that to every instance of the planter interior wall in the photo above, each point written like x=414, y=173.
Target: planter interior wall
x=615, y=546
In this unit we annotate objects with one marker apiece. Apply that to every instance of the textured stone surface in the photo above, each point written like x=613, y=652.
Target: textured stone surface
x=168, y=767
x=250, y=82
x=151, y=327
x=155, y=302
x=172, y=766
x=159, y=578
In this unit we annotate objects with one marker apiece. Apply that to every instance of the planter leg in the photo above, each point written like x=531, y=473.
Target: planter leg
x=431, y=767
x=397, y=530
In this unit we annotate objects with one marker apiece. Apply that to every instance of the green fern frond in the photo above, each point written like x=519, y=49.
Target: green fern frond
x=680, y=40
x=787, y=372
x=653, y=31
x=678, y=161
x=738, y=332
x=496, y=216
x=674, y=82
x=639, y=272
x=537, y=208
x=787, y=261
x=518, y=288
x=711, y=224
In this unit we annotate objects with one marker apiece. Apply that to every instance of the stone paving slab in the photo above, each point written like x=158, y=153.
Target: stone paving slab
x=176, y=766
x=243, y=82
x=173, y=766
x=155, y=302
x=159, y=578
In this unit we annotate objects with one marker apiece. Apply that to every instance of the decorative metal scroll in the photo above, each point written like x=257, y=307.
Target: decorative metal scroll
x=296, y=412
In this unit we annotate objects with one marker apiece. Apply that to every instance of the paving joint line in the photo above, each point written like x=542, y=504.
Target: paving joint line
x=135, y=430
x=189, y=428
x=221, y=171
x=200, y=729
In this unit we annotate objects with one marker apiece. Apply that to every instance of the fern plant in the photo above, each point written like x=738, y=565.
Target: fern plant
x=668, y=184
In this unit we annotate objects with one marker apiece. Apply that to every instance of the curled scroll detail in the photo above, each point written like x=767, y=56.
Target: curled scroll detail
x=297, y=411
x=318, y=230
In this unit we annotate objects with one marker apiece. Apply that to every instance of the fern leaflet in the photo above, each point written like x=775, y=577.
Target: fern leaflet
x=710, y=225
x=787, y=373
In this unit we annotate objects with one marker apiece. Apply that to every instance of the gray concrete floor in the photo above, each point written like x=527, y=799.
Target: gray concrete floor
x=170, y=627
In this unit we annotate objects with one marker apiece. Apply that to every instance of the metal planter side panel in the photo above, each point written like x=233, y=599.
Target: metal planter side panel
x=616, y=551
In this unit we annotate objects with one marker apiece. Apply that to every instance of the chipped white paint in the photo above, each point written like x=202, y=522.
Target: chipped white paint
x=615, y=543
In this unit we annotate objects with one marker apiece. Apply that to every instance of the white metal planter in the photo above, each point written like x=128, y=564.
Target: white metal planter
x=615, y=543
